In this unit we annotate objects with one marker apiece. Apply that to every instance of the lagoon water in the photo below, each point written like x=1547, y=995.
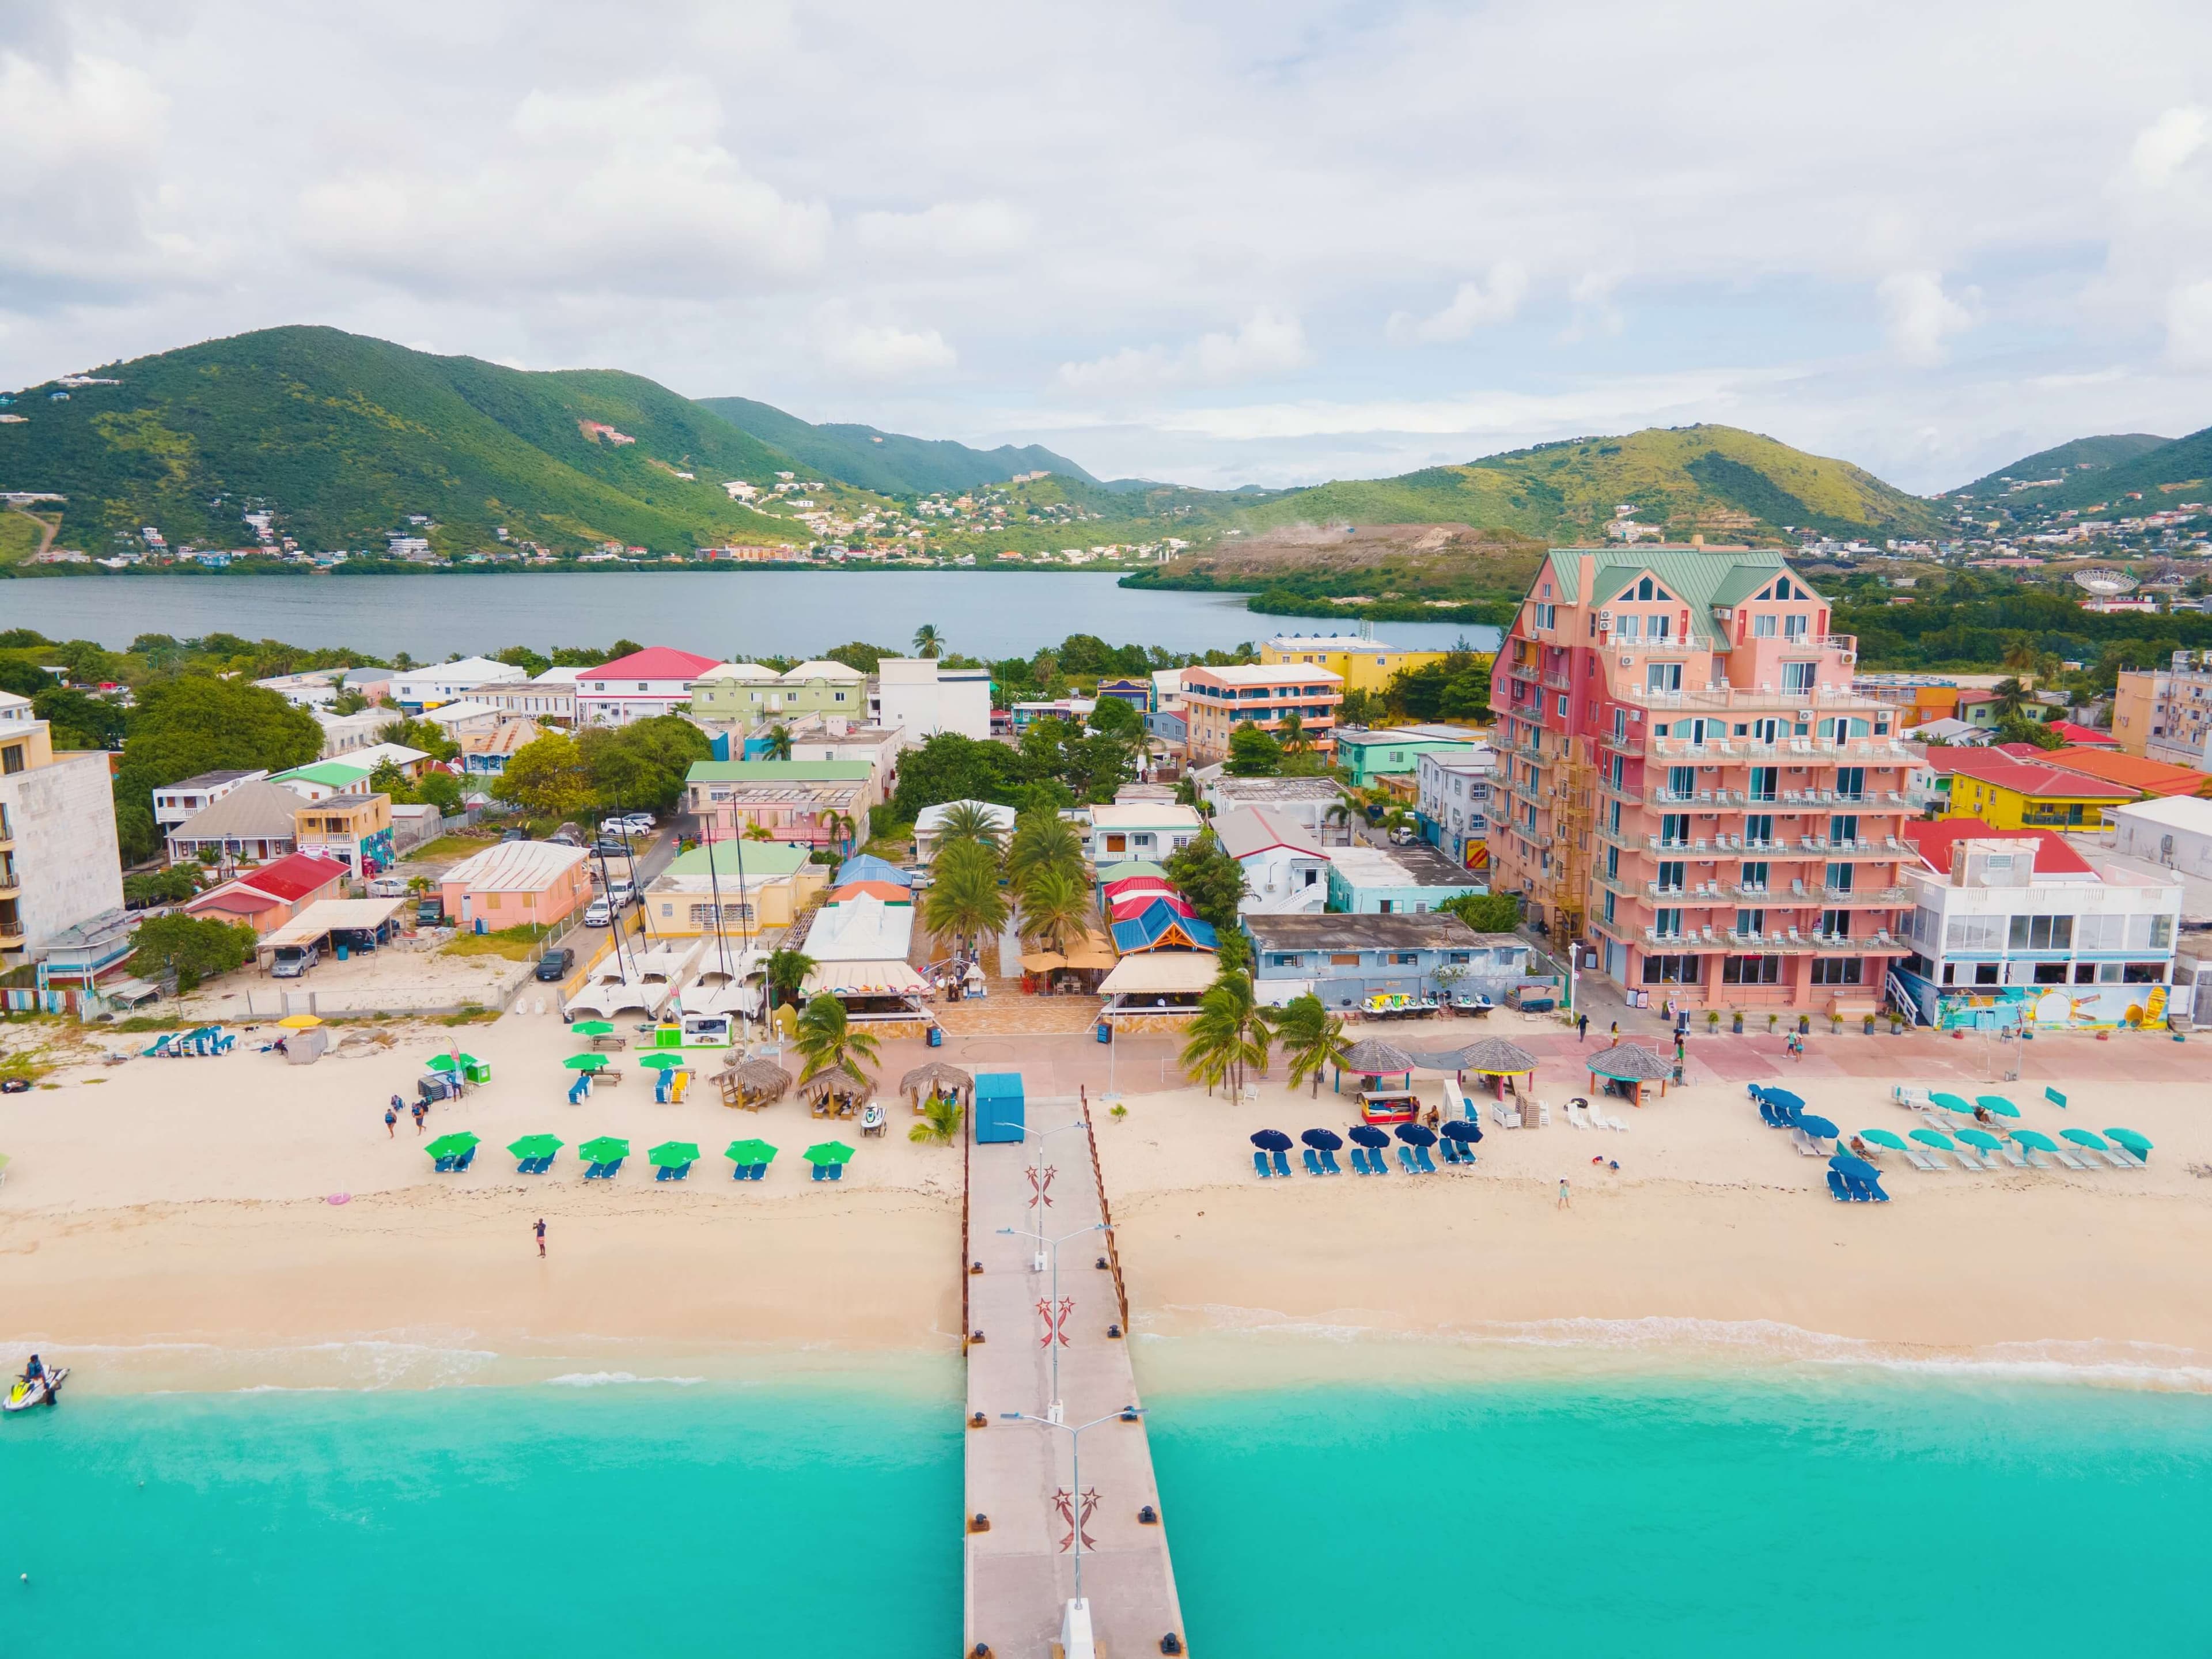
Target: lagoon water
x=733, y=613
x=1848, y=1511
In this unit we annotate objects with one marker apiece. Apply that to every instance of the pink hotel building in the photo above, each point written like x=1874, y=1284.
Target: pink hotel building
x=1691, y=788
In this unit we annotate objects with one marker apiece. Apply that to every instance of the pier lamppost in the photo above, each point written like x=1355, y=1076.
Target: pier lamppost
x=1075, y=1622
x=1054, y=1244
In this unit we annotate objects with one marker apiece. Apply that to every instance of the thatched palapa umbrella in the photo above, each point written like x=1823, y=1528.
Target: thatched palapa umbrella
x=1630, y=1062
x=936, y=1076
x=1372, y=1057
x=833, y=1085
x=753, y=1082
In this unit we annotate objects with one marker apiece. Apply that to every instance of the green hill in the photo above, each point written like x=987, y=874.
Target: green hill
x=345, y=437
x=886, y=462
x=2160, y=478
x=2082, y=456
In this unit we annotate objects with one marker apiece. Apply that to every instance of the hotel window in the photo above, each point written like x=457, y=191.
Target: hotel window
x=1843, y=827
x=1620, y=725
x=1753, y=880
x=2042, y=933
x=1671, y=970
x=1682, y=780
x=1751, y=970
x=1758, y=829
x=1839, y=878
x=1850, y=783
x=1751, y=922
x=1800, y=676
x=1627, y=629
x=1762, y=627
x=1608, y=909
x=1662, y=677
x=1793, y=627
x=1837, y=970
x=11, y=759
x=1545, y=619
x=1836, y=924
x=1764, y=780
x=1667, y=923
x=1673, y=875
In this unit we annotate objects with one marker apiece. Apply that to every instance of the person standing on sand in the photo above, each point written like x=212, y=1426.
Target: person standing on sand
x=1616, y=1031
x=390, y=1124
x=1563, y=1204
x=540, y=1231
x=1582, y=1027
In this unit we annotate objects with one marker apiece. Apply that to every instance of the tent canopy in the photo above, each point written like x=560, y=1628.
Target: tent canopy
x=886, y=978
x=328, y=915
x=1162, y=971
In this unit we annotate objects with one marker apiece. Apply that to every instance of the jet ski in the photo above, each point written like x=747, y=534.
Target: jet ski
x=42, y=1391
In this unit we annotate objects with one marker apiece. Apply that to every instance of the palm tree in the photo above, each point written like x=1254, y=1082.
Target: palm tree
x=778, y=743
x=1055, y=910
x=1340, y=813
x=2020, y=654
x=1292, y=735
x=1230, y=1034
x=1043, y=841
x=839, y=826
x=968, y=820
x=786, y=971
x=964, y=901
x=828, y=1039
x=940, y=1122
x=1312, y=1039
x=2011, y=696
x=927, y=641
x=758, y=831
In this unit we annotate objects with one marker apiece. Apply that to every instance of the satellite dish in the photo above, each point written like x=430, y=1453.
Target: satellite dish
x=2103, y=581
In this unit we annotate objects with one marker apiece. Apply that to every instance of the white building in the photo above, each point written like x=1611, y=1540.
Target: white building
x=549, y=698
x=60, y=867
x=173, y=802
x=644, y=685
x=1306, y=802
x=446, y=682
x=1142, y=829
x=929, y=825
x=1452, y=790
x=2174, y=832
x=343, y=733
x=922, y=699
x=1285, y=869
x=318, y=688
x=2012, y=927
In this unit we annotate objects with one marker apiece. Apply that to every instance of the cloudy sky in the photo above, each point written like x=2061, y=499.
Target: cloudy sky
x=1221, y=243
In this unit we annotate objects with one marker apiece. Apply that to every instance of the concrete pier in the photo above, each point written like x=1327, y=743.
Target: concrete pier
x=1019, y=1574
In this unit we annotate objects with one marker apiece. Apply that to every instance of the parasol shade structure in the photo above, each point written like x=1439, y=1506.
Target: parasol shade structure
x=1935, y=1138
x=1882, y=1138
x=2034, y=1139
x=1271, y=1141
x=1980, y=1138
x=1366, y=1134
x=1781, y=1099
x=298, y=1022
x=758, y=1079
x=749, y=1152
x=448, y=1063
x=1998, y=1104
x=839, y=1084
x=1490, y=1057
x=604, y=1149
x=1462, y=1129
x=828, y=1151
x=2127, y=1138
x=673, y=1154
x=934, y=1076
x=1372, y=1057
x=662, y=1062
x=586, y=1062
x=1630, y=1062
x=1951, y=1104
x=452, y=1146
x=1857, y=1168
x=1819, y=1128
x=1416, y=1134
x=593, y=1028
x=532, y=1147
x=1326, y=1140
x=2088, y=1138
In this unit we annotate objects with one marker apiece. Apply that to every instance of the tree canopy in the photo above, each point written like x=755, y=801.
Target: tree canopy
x=194, y=723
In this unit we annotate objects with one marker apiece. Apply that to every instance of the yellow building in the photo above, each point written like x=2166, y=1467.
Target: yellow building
x=2007, y=794
x=762, y=885
x=1363, y=665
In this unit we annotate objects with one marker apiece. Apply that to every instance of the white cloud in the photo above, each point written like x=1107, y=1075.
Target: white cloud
x=1270, y=343
x=1476, y=305
x=1596, y=316
x=1920, y=316
x=945, y=230
x=883, y=352
x=2189, y=327
x=2167, y=144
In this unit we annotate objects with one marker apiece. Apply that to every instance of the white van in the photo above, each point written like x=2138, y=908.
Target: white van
x=388, y=887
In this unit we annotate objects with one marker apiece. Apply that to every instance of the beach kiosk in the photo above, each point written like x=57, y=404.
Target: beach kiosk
x=998, y=1107
x=1629, y=1069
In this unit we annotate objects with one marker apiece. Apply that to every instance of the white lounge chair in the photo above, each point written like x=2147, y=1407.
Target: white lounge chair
x=2013, y=1155
x=1579, y=1116
x=1920, y=1160
x=2122, y=1158
x=2071, y=1160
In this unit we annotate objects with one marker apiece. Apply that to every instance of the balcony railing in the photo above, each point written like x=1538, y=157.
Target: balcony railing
x=1835, y=698
x=1739, y=751
x=1785, y=942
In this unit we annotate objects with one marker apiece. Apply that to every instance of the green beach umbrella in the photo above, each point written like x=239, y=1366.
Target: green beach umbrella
x=447, y=1062
x=1981, y=1138
x=593, y=1028
x=2034, y=1139
x=1934, y=1138
x=586, y=1062
x=1952, y=1104
x=749, y=1152
x=1998, y=1104
x=660, y=1063
x=673, y=1154
x=1882, y=1138
x=604, y=1149
x=452, y=1146
x=2088, y=1138
x=535, y=1146
x=829, y=1151
x=2127, y=1138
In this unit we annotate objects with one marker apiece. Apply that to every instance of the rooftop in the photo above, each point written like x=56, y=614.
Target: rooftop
x=1244, y=831
x=1417, y=866
x=775, y=771
x=205, y=779
x=1146, y=815
x=2147, y=777
x=1356, y=735
x=287, y=881
x=1934, y=841
x=2023, y=777
x=259, y=811
x=1434, y=930
x=1261, y=673
x=758, y=860
x=821, y=669
x=655, y=662
x=515, y=866
x=2170, y=811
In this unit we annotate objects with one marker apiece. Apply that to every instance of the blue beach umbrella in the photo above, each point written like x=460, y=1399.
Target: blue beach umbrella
x=2127, y=1138
x=1327, y=1140
x=1463, y=1129
x=1271, y=1141
x=1857, y=1168
x=1782, y=1099
x=1935, y=1138
x=1981, y=1138
x=1819, y=1128
x=1366, y=1134
x=1416, y=1134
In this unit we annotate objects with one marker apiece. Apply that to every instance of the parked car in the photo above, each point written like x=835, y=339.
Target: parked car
x=515, y=835
x=598, y=914
x=612, y=847
x=628, y=823
x=293, y=960
x=1403, y=835
x=430, y=912
x=621, y=892
x=388, y=887
x=553, y=967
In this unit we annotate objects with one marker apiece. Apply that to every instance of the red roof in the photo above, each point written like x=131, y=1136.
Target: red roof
x=285, y=882
x=1991, y=766
x=237, y=900
x=2083, y=737
x=655, y=662
x=1934, y=841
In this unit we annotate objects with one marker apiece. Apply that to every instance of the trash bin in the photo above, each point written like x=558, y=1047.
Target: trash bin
x=478, y=1071
x=1105, y=1032
x=936, y=1036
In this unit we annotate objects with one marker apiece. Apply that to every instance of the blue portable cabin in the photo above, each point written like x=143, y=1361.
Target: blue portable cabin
x=998, y=1107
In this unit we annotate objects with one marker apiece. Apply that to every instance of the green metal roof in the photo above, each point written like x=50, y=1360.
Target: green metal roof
x=332, y=774
x=760, y=859
x=1699, y=577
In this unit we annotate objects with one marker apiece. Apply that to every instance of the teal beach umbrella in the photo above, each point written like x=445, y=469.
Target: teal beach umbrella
x=1881, y=1138
x=2088, y=1138
x=1998, y=1104
x=2034, y=1139
x=1934, y=1138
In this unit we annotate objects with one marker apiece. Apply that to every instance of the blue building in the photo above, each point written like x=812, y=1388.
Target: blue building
x=1396, y=880
x=1346, y=959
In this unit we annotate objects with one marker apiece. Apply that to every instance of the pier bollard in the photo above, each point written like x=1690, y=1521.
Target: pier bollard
x=979, y=1421
x=979, y=1523
x=1171, y=1643
x=1113, y=1330
x=1148, y=1517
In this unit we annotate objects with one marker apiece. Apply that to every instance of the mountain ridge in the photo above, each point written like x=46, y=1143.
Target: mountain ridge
x=890, y=463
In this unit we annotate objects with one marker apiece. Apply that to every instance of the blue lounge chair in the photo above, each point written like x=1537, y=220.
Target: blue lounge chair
x=671, y=1172
x=836, y=1172
x=1836, y=1189
x=1405, y=1158
x=444, y=1166
x=1282, y=1162
x=822, y=1171
x=1328, y=1163
x=1422, y=1162
x=1449, y=1149
x=1313, y=1164
x=1359, y=1160
x=596, y=1172
x=740, y=1171
x=760, y=1172
x=1259, y=1166
x=1864, y=1191
x=579, y=1089
x=464, y=1159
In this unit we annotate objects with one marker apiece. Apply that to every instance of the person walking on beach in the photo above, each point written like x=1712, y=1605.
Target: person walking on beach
x=540, y=1231
x=1563, y=1204
x=1582, y=1027
x=390, y=1124
x=1616, y=1031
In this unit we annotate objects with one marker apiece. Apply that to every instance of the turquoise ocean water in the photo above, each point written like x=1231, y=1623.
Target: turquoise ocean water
x=1845, y=1513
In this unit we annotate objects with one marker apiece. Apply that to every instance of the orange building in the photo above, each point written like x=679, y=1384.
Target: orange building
x=2145, y=777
